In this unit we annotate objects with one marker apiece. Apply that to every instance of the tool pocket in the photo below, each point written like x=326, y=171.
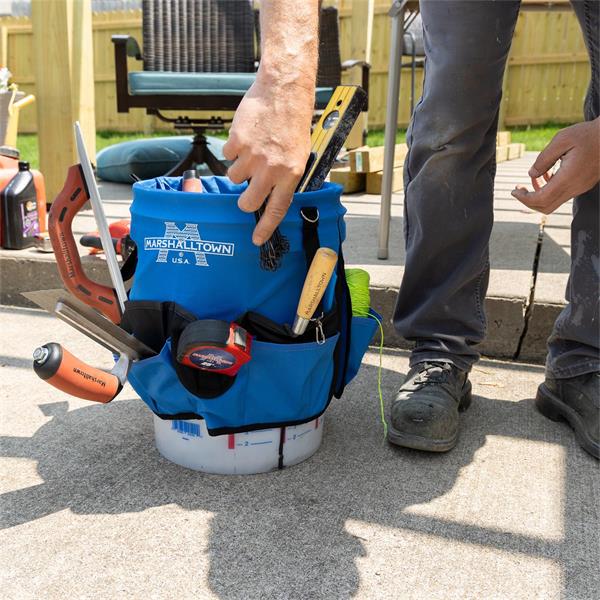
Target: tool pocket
x=363, y=330
x=288, y=384
x=158, y=385
x=283, y=384
x=287, y=381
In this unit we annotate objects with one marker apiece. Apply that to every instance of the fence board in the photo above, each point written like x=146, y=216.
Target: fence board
x=547, y=75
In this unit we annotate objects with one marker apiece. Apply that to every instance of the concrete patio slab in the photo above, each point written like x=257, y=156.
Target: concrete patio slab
x=553, y=272
x=91, y=510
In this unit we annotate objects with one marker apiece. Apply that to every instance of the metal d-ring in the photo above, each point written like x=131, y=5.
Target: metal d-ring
x=315, y=220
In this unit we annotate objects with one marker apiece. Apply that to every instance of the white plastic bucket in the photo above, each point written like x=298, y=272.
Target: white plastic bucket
x=188, y=444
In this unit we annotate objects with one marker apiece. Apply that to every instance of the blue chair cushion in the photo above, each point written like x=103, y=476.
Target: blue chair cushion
x=142, y=83
x=149, y=158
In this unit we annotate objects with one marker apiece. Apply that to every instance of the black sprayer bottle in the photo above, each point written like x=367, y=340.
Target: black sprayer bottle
x=20, y=222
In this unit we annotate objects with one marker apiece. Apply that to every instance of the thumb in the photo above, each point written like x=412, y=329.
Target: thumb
x=559, y=144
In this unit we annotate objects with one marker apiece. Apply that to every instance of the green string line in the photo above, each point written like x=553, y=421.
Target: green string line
x=358, y=284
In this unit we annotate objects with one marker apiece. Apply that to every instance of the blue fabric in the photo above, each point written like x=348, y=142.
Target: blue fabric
x=227, y=281
x=149, y=158
x=201, y=84
x=363, y=329
x=195, y=249
x=282, y=383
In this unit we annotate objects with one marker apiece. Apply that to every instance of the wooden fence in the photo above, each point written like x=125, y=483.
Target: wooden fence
x=546, y=79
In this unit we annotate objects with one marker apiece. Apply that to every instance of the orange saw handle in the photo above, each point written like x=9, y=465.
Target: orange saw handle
x=60, y=228
x=66, y=372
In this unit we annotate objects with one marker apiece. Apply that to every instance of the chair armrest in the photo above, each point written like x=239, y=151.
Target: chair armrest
x=366, y=69
x=125, y=46
x=349, y=64
x=129, y=44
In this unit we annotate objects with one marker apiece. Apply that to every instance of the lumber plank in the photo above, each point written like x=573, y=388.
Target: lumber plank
x=352, y=182
x=515, y=151
x=374, y=180
x=503, y=138
x=370, y=160
x=501, y=153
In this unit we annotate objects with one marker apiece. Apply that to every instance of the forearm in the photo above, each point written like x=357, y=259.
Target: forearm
x=289, y=43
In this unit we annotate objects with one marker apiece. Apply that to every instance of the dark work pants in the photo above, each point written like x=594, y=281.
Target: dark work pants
x=449, y=185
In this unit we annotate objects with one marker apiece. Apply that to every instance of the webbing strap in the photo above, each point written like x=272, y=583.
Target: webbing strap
x=310, y=239
x=310, y=232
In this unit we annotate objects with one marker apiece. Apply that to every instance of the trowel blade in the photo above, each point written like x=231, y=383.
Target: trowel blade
x=91, y=323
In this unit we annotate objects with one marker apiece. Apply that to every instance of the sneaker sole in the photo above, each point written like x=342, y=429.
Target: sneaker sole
x=552, y=407
x=417, y=442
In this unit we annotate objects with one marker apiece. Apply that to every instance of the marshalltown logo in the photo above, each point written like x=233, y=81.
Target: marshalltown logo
x=184, y=246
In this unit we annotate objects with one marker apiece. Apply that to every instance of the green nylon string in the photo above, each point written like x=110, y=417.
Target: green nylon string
x=358, y=284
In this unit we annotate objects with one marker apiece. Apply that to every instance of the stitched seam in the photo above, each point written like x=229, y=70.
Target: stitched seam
x=408, y=155
x=592, y=53
x=478, y=303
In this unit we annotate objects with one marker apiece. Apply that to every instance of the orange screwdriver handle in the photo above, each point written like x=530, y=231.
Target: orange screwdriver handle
x=60, y=228
x=60, y=368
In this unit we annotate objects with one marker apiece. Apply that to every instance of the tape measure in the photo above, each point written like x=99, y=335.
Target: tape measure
x=215, y=346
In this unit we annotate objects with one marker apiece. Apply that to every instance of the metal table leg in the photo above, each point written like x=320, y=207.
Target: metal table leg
x=391, y=125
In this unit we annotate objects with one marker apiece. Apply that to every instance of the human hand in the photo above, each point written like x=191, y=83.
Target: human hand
x=578, y=149
x=269, y=140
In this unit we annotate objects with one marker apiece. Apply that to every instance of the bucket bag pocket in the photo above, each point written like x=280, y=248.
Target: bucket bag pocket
x=363, y=331
x=283, y=384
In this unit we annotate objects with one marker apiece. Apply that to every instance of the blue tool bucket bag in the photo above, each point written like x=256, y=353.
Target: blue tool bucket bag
x=196, y=260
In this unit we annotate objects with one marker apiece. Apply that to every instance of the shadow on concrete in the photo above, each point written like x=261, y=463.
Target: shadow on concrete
x=287, y=530
x=512, y=244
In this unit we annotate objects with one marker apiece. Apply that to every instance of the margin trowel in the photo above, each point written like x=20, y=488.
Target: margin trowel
x=60, y=368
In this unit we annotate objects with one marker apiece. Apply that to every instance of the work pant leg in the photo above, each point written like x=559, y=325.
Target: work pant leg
x=449, y=178
x=573, y=344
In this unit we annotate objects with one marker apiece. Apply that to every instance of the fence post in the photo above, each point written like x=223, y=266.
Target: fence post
x=361, y=28
x=64, y=75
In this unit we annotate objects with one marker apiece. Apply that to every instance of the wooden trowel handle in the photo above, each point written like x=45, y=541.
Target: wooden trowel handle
x=66, y=372
x=66, y=205
x=315, y=284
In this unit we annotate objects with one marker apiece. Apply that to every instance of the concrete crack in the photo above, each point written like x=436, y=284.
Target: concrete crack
x=528, y=309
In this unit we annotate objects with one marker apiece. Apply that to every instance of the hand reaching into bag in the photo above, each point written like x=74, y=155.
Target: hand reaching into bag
x=269, y=139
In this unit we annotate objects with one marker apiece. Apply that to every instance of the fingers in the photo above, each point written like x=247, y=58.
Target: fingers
x=276, y=208
x=255, y=194
x=560, y=143
x=231, y=148
x=240, y=170
x=545, y=199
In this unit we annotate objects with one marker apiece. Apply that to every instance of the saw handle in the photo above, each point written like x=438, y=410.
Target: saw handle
x=66, y=205
x=66, y=372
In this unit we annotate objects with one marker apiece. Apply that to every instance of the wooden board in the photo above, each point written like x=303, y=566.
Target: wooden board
x=375, y=180
x=515, y=151
x=501, y=153
x=352, y=182
x=64, y=78
x=509, y=152
x=371, y=159
x=503, y=138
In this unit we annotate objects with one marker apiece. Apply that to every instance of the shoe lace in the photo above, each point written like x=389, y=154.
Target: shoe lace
x=433, y=373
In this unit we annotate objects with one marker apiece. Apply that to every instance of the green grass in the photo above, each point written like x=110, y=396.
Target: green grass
x=534, y=137
x=28, y=142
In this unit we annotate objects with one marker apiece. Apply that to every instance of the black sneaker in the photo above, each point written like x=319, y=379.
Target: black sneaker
x=425, y=411
x=576, y=401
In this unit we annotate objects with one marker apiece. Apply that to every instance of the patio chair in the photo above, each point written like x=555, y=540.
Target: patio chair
x=413, y=47
x=202, y=55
